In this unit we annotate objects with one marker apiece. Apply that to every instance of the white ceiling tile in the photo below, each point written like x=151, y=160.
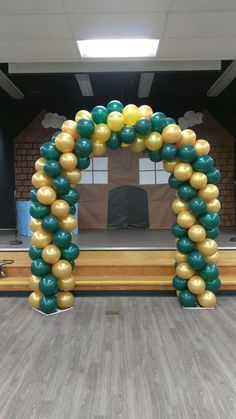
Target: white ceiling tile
x=104, y=6
x=15, y=7
x=201, y=25
x=204, y=5
x=31, y=51
x=113, y=25
x=34, y=27
x=198, y=48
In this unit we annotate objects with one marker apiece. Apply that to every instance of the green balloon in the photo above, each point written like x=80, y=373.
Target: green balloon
x=170, y=121
x=83, y=147
x=169, y=152
x=48, y=285
x=50, y=223
x=143, y=126
x=83, y=162
x=114, y=106
x=72, y=209
x=196, y=260
x=38, y=210
x=185, y=245
x=55, y=136
x=127, y=135
x=61, y=184
x=203, y=164
x=213, y=176
x=209, y=220
x=213, y=233
x=186, y=192
x=62, y=238
x=35, y=252
x=174, y=182
x=209, y=272
x=33, y=195
x=39, y=267
x=178, y=231
x=159, y=121
x=99, y=114
x=72, y=263
x=72, y=196
x=52, y=168
x=187, y=153
x=49, y=152
x=70, y=252
x=197, y=206
x=187, y=299
x=48, y=304
x=85, y=127
x=179, y=283
x=154, y=156
x=114, y=141
x=214, y=285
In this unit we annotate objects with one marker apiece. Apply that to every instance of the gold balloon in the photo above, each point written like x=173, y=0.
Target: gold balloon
x=66, y=284
x=70, y=127
x=41, y=238
x=124, y=145
x=154, y=141
x=115, y=121
x=101, y=133
x=213, y=258
x=82, y=114
x=62, y=269
x=198, y=180
x=180, y=257
x=145, y=111
x=68, y=161
x=34, y=283
x=60, y=208
x=185, y=219
x=131, y=115
x=209, y=192
x=206, y=299
x=183, y=171
x=184, y=270
x=73, y=176
x=177, y=292
x=34, y=299
x=207, y=247
x=171, y=134
x=35, y=224
x=68, y=223
x=169, y=166
x=46, y=195
x=196, y=284
x=197, y=233
x=39, y=179
x=64, y=299
x=188, y=136
x=138, y=145
x=51, y=253
x=202, y=147
x=178, y=206
x=214, y=205
x=99, y=148
x=39, y=164
x=64, y=142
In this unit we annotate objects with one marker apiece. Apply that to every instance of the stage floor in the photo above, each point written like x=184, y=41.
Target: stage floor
x=119, y=239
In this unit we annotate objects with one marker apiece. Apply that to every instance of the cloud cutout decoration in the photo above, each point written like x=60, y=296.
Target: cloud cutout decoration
x=189, y=119
x=53, y=120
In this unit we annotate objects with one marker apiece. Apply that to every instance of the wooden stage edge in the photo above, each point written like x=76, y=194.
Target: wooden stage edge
x=116, y=270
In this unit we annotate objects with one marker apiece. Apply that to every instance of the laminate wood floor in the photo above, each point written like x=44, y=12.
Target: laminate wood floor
x=153, y=361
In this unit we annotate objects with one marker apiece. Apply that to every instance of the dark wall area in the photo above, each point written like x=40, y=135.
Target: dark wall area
x=7, y=212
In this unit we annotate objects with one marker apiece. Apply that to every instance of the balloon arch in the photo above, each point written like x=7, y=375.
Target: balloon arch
x=192, y=175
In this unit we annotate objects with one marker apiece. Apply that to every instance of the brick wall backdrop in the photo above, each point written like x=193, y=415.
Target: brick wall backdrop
x=28, y=142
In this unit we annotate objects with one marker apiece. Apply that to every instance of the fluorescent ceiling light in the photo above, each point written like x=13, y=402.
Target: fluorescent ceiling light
x=114, y=48
x=223, y=81
x=84, y=84
x=145, y=84
x=10, y=88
